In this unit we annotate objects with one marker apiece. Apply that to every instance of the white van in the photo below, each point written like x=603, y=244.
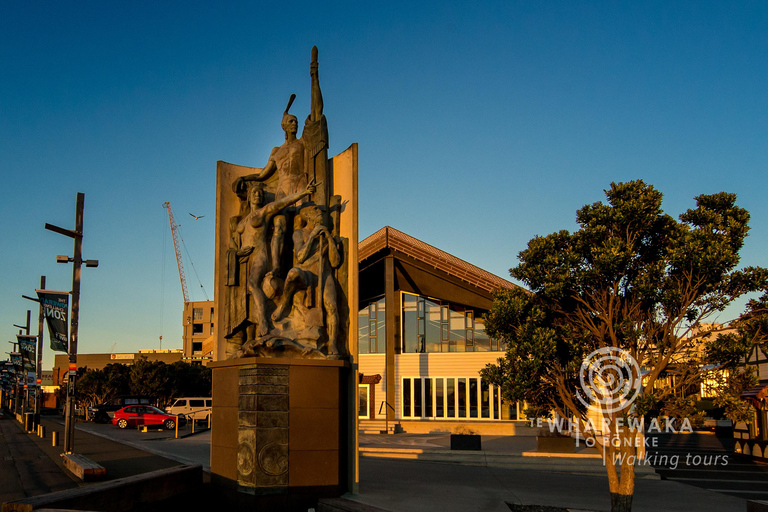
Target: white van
x=199, y=406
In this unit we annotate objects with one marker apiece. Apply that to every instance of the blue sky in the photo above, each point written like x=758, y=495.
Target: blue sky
x=479, y=127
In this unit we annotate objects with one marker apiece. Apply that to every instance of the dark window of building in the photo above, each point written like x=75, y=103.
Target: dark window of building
x=450, y=397
x=469, y=329
x=371, y=325
x=363, y=342
x=407, y=398
x=439, y=397
x=197, y=346
x=485, y=400
x=428, y=398
x=197, y=328
x=410, y=323
x=462, y=398
x=473, y=398
x=417, y=398
x=211, y=315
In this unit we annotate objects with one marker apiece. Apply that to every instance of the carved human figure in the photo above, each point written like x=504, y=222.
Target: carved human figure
x=298, y=160
x=317, y=255
x=252, y=232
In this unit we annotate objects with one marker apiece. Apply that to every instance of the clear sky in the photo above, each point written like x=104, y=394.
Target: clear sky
x=479, y=127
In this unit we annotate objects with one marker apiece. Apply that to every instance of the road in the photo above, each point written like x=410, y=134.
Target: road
x=192, y=449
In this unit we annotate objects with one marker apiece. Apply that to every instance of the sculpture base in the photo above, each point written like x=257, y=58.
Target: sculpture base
x=278, y=428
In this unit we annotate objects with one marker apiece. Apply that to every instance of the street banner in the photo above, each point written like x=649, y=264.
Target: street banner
x=56, y=307
x=28, y=349
x=15, y=360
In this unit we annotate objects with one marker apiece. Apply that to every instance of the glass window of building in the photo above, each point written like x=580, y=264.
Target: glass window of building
x=434, y=326
x=371, y=328
x=197, y=314
x=363, y=406
x=453, y=397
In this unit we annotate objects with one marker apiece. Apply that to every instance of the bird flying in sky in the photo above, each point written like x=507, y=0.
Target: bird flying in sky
x=197, y=216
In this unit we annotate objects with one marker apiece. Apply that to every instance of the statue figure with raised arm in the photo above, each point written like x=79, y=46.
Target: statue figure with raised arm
x=297, y=161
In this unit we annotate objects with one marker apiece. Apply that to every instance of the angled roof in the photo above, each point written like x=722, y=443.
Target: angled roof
x=388, y=237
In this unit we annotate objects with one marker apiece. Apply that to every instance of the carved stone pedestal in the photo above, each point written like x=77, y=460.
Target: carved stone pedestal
x=279, y=427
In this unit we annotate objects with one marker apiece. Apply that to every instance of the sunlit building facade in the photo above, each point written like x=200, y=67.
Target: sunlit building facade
x=422, y=341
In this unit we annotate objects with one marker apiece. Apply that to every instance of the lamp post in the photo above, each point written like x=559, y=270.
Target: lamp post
x=39, y=365
x=24, y=385
x=77, y=260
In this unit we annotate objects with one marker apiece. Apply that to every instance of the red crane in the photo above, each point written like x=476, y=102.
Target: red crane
x=182, y=277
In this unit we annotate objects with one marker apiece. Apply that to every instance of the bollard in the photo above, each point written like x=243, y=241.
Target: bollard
x=54, y=438
x=41, y=431
x=209, y=421
x=177, y=427
x=193, y=423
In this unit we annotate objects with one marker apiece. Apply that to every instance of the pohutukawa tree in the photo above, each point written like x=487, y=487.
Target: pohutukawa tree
x=632, y=281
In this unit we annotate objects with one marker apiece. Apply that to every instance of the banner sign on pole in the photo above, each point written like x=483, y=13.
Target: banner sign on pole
x=15, y=360
x=56, y=307
x=28, y=349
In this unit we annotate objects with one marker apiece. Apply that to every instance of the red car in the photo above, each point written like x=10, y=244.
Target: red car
x=135, y=415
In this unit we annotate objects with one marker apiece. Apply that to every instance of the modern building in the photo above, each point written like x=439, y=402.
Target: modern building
x=752, y=438
x=198, y=322
x=422, y=340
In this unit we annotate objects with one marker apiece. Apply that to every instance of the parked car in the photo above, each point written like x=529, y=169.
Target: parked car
x=198, y=406
x=103, y=413
x=136, y=415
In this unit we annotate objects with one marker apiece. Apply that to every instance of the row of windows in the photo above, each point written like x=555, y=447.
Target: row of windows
x=197, y=314
x=452, y=397
x=427, y=326
x=198, y=328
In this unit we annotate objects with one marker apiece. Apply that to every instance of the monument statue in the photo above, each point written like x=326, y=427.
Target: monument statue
x=287, y=221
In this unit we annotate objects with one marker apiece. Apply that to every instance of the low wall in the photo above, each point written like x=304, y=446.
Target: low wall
x=121, y=495
x=487, y=428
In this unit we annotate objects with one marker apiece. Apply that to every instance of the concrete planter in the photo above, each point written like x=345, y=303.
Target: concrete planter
x=465, y=442
x=558, y=444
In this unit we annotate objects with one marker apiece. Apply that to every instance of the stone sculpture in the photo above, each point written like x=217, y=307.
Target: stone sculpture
x=287, y=219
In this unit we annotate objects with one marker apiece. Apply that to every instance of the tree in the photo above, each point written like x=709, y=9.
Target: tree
x=95, y=387
x=632, y=284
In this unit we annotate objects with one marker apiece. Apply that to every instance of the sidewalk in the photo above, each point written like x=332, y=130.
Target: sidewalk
x=413, y=473
x=31, y=466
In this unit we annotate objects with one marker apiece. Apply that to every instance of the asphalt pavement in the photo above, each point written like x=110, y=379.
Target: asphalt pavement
x=399, y=473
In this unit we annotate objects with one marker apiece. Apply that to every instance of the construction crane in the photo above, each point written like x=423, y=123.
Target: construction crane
x=174, y=228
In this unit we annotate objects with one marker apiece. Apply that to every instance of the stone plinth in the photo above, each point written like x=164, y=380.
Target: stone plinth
x=279, y=426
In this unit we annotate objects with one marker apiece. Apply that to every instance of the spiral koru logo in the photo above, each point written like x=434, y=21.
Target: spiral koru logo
x=610, y=380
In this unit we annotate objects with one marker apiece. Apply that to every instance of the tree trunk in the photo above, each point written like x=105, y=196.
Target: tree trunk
x=621, y=502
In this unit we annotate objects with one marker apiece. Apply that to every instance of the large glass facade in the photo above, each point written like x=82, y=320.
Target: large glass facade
x=439, y=326
x=427, y=326
x=453, y=398
x=371, y=328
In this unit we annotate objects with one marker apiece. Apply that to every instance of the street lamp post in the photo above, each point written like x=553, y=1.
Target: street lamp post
x=25, y=380
x=77, y=260
x=39, y=365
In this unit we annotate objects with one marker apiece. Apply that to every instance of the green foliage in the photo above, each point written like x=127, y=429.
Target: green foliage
x=679, y=408
x=150, y=378
x=630, y=277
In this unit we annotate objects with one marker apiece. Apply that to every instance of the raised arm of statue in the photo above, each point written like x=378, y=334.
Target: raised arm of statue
x=317, y=97
x=274, y=207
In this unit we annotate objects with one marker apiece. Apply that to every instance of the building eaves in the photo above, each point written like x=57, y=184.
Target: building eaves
x=389, y=237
